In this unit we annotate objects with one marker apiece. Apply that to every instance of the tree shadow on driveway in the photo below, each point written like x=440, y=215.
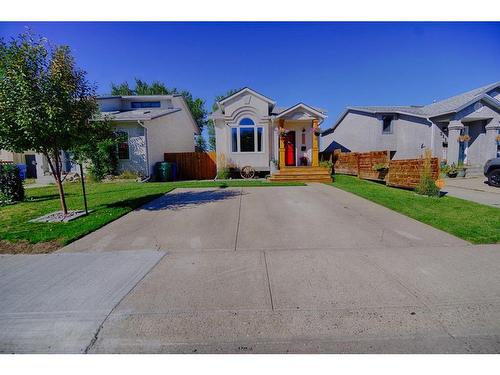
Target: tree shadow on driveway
x=189, y=199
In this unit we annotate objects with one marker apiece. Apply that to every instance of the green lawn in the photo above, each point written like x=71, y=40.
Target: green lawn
x=470, y=221
x=108, y=201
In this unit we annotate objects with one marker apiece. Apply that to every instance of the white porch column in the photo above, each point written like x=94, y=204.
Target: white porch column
x=454, y=129
x=490, y=141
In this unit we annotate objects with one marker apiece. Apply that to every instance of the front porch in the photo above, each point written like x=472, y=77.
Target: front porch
x=298, y=149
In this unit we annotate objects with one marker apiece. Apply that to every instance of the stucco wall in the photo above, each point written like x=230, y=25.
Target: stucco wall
x=239, y=107
x=172, y=133
x=6, y=155
x=363, y=132
x=137, y=149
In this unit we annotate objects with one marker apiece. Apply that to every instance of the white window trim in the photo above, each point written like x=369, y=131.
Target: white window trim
x=255, y=134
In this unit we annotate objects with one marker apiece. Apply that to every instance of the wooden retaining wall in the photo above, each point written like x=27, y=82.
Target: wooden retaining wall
x=194, y=165
x=346, y=162
x=405, y=173
x=361, y=163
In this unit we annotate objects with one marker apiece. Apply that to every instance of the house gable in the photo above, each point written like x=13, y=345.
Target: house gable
x=301, y=111
x=246, y=105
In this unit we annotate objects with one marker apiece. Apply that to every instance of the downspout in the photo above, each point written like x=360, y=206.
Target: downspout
x=432, y=134
x=147, y=150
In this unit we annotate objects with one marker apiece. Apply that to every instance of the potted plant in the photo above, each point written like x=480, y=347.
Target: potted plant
x=382, y=169
x=464, y=138
x=451, y=170
x=316, y=131
x=283, y=132
x=303, y=160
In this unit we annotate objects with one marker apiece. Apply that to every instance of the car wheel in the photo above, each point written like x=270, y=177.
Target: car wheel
x=494, y=178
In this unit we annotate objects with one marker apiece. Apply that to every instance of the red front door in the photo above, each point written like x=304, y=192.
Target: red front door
x=290, y=149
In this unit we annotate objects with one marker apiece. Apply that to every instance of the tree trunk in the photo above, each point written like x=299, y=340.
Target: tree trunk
x=55, y=168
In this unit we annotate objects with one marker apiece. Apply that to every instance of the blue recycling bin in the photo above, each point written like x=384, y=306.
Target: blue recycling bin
x=22, y=171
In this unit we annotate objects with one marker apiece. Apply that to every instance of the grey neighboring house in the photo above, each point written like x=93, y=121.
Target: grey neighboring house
x=408, y=130
x=152, y=125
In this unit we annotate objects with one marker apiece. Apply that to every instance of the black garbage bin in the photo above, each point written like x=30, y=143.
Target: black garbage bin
x=163, y=171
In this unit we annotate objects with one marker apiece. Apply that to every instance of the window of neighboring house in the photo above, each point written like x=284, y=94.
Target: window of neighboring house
x=247, y=137
x=136, y=105
x=123, y=148
x=387, y=124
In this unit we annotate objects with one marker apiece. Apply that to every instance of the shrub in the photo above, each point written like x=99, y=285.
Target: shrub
x=128, y=175
x=11, y=185
x=328, y=164
x=224, y=173
x=103, y=159
x=427, y=185
x=380, y=167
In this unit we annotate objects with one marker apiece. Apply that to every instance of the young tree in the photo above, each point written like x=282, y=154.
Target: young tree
x=46, y=102
x=210, y=123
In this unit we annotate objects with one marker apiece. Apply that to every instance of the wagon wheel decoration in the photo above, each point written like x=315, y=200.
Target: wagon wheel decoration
x=247, y=172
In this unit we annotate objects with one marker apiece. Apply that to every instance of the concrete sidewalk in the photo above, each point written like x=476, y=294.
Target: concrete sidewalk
x=473, y=189
x=394, y=300
x=56, y=303
x=261, y=270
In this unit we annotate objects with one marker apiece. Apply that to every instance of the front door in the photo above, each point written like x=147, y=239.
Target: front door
x=30, y=166
x=290, y=149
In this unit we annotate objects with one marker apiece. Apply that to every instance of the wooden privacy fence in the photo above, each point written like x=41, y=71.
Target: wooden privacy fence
x=361, y=163
x=404, y=173
x=194, y=165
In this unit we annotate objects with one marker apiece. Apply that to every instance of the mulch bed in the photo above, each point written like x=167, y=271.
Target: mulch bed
x=25, y=247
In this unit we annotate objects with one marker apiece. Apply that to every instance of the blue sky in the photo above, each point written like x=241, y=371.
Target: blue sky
x=329, y=65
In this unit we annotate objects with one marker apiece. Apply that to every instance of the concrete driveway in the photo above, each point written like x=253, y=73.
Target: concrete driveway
x=283, y=269
x=277, y=218
x=473, y=189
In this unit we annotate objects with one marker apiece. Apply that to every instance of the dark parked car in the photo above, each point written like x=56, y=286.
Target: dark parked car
x=492, y=171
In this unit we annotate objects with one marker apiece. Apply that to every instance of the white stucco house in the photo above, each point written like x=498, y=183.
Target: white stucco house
x=152, y=125
x=462, y=128
x=251, y=130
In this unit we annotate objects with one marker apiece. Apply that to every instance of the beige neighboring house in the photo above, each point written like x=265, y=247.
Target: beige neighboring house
x=152, y=125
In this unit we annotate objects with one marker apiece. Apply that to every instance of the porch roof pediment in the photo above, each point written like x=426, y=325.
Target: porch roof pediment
x=301, y=111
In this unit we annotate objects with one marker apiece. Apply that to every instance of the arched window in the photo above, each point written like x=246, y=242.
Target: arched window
x=246, y=137
x=246, y=121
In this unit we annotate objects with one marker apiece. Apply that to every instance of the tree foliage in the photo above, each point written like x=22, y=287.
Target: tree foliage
x=210, y=123
x=46, y=101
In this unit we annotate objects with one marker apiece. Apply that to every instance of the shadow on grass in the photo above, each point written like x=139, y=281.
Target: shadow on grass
x=41, y=198
x=134, y=203
x=176, y=201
